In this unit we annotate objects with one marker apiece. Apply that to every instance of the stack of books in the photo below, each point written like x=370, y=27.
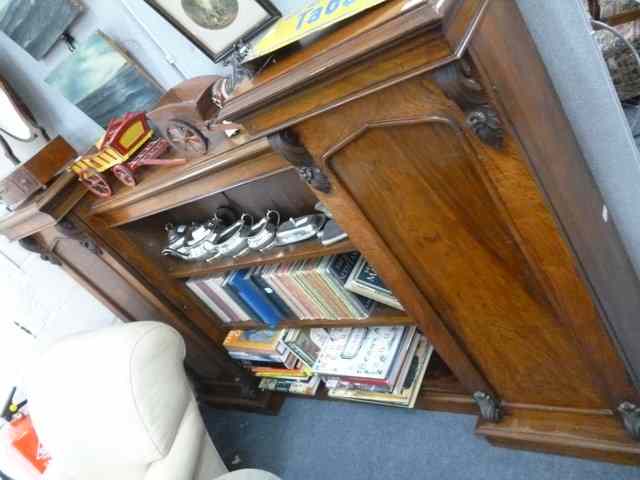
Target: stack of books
x=267, y=355
x=306, y=290
x=382, y=365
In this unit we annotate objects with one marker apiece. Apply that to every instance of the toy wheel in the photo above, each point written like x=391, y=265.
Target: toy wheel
x=96, y=183
x=186, y=137
x=124, y=174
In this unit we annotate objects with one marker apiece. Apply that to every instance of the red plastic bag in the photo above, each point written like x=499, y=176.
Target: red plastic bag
x=24, y=440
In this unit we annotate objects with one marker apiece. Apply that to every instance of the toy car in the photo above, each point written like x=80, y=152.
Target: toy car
x=125, y=147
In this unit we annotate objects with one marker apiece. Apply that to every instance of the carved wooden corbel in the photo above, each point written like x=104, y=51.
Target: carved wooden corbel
x=490, y=408
x=458, y=82
x=484, y=122
x=286, y=144
x=630, y=414
x=32, y=245
x=67, y=228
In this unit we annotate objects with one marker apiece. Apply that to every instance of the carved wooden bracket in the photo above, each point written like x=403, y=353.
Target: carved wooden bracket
x=490, y=408
x=630, y=414
x=286, y=144
x=32, y=245
x=458, y=82
x=485, y=123
x=67, y=228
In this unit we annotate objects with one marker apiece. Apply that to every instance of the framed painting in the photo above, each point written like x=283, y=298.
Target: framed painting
x=37, y=25
x=103, y=81
x=216, y=25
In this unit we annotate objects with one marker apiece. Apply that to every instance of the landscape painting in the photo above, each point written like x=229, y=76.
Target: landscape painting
x=103, y=81
x=37, y=25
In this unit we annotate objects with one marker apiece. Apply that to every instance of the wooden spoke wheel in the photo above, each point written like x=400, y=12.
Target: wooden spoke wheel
x=186, y=138
x=96, y=183
x=124, y=174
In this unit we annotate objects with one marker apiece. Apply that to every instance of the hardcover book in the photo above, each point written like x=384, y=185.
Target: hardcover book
x=365, y=281
x=306, y=343
x=371, y=358
x=272, y=277
x=299, y=387
x=215, y=282
x=267, y=342
x=339, y=269
x=406, y=394
x=211, y=300
x=232, y=293
x=253, y=296
x=256, y=275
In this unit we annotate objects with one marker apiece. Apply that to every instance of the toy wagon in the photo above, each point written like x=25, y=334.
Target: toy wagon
x=186, y=116
x=124, y=148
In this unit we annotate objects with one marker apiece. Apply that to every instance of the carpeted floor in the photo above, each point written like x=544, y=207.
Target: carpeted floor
x=316, y=440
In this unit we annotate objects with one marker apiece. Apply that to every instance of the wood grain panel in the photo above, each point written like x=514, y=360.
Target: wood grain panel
x=435, y=212
x=550, y=151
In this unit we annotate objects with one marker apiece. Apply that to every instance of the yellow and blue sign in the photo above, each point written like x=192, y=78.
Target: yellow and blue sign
x=313, y=17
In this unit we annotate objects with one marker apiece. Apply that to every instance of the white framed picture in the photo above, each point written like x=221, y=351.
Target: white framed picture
x=216, y=25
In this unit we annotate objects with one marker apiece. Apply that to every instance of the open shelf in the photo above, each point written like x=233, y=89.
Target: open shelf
x=298, y=251
x=440, y=391
x=382, y=316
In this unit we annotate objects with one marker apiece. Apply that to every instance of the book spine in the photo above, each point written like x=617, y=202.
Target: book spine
x=310, y=303
x=215, y=283
x=341, y=269
x=368, y=293
x=301, y=355
x=208, y=297
x=214, y=292
x=334, y=292
x=274, y=282
x=351, y=309
x=285, y=276
x=256, y=277
x=231, y=291
x=305, y=277
x=255, y=298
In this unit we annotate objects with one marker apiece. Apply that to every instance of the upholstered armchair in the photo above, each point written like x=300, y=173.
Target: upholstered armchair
x=116, y=404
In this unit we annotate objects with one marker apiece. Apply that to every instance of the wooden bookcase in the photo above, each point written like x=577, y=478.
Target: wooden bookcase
x=433, y=134
x=183, y=194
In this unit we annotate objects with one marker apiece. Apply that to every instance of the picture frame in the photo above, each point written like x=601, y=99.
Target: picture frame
x=216, y=31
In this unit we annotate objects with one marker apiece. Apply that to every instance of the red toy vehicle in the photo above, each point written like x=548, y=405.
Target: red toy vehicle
x=124, y=148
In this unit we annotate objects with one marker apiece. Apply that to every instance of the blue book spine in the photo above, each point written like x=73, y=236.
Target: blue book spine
x=256, y=276
x=255, y=298
x=233, y=293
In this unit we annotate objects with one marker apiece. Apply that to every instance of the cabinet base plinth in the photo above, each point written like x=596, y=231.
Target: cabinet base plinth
x=593, y=437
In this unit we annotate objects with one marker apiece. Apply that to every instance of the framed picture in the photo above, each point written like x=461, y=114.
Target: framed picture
x=35, y=25
x=216, y=25
x=103, y=81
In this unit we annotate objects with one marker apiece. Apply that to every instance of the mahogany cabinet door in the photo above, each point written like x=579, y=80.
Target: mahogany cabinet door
x=409, y=177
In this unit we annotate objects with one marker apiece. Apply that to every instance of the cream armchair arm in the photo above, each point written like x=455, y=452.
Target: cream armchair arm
x=116, y=403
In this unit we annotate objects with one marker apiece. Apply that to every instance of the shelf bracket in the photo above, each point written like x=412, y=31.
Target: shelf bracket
x=70, y=230
x=484, y=122
x=459, y=82
x=287, y=144
x=490, y=408
x=32, y=245
x=630, y=414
